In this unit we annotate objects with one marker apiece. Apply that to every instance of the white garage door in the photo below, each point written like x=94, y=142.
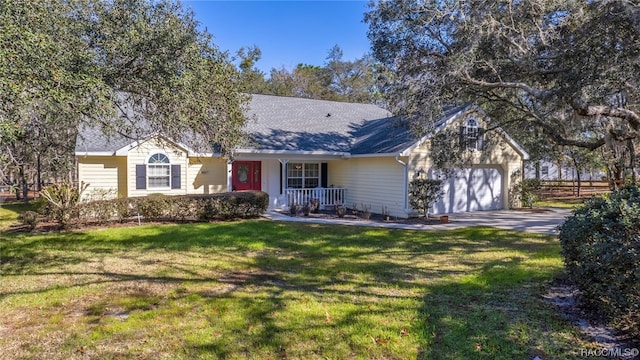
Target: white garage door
x=474, y=189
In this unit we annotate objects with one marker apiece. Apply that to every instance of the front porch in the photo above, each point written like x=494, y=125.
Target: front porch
x=327, y=197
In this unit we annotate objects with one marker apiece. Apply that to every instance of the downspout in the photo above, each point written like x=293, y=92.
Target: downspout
x=405, y=185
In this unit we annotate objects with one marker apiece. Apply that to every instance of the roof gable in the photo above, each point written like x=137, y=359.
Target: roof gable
x=455, y=113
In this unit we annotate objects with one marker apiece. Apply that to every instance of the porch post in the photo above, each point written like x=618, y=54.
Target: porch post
x=283, y=175
x=230, y=175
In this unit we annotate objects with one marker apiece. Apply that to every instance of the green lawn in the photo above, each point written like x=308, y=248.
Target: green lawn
x=267, y=290
x=561, y=203
x=9, y=213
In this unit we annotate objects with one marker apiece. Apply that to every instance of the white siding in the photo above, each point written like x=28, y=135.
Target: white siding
x=554, y=172
x=271, y=182
x=375, y=182
x=139, y=155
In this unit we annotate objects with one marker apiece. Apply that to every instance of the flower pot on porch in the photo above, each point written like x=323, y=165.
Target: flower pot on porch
x=444, y=219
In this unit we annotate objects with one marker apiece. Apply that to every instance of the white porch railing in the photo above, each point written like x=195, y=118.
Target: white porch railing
x=326, y=196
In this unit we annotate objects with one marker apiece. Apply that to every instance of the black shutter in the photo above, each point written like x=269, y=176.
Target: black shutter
x=141, y=177
x=324, y=174
x=480, y=138
x=463, y=143
x=175, y=177
x=280, y=178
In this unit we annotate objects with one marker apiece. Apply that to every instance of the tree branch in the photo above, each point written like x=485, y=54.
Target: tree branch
x=539, y=94
x=594, y=110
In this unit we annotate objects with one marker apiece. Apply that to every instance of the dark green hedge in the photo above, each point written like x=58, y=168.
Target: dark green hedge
x=222, y=206
x=601, y=250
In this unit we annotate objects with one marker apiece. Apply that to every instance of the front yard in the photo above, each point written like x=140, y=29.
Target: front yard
x=267, y=290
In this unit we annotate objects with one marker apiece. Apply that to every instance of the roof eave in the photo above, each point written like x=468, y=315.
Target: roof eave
x=292, y=152
x=393, y=154
x=443, y=125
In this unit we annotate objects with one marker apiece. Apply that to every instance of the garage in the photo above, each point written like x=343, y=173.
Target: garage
x=471, y=189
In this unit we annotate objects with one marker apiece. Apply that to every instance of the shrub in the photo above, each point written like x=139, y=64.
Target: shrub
x=62, y=202
x=158, y=207
x=155, y=206
x=306, y=209
x=29, y=218
x=601, y=250
x=529, y=191
x=100, y=211
x=423, y=193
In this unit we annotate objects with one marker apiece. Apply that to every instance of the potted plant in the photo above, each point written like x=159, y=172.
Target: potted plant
x=315, y=205
x=385, y=213
x=293, y=209
x=306, y=209
x=366, y=211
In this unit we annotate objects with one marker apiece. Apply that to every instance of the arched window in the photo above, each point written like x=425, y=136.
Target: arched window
x=159, y=171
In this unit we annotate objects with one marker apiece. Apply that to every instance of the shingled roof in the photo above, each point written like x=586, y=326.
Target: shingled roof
x=298, y=124
x=286, y=123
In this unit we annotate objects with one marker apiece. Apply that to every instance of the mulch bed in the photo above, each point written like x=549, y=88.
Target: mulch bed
x=350, y=216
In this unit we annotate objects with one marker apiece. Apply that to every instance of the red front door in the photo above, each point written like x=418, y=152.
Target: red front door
x=246, y=175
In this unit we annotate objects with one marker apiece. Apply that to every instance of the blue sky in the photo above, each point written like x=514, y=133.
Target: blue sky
x=287, y=32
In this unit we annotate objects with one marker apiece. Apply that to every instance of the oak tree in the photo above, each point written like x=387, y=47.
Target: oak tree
x=569, y=69
x=127, y=67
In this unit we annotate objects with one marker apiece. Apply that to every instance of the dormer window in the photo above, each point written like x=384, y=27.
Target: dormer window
x=471, y=135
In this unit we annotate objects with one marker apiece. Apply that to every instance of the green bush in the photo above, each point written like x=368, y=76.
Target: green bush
x=529, y=191
x=423, y=193
x=157, y=207
x=100, y=211
x=29, y=218
x=601, y=250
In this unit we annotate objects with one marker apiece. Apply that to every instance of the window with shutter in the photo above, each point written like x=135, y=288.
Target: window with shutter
x=471, y=135
x=158, y=172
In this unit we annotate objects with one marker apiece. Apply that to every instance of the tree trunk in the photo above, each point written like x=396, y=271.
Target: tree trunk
x=559, y=170
x=632, y=160
x=39, y=176
x=577, y=169
x=25, y=186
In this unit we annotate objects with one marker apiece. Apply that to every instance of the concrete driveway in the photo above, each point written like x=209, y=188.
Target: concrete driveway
x=545, y=221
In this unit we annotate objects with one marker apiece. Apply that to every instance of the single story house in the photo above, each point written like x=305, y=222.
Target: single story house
x=555, y=171
x=305, y=149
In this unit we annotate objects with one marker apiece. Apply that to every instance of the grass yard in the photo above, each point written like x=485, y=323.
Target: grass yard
x=267, y=290
x=9, y=213
x=561, y=203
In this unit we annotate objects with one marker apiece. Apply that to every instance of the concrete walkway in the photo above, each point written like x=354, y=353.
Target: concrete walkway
x=522, y=220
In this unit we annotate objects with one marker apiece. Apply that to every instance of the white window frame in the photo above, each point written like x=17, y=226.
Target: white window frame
x=158, y=165
x=544, y=170
x=303, y=174
x=471, y=134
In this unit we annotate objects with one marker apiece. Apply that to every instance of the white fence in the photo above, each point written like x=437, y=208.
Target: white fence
x=327, y=197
